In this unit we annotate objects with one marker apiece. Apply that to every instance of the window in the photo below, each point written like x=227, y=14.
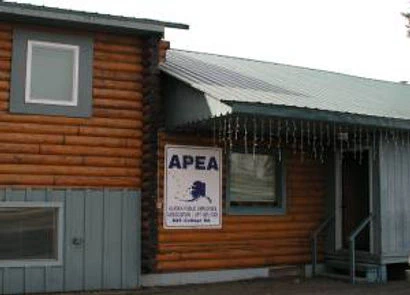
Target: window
x=256, y=184
x=51, y=73
x=30, y=233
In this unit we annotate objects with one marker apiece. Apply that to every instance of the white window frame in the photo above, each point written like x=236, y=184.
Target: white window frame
x=60, y=234
x=38, y=100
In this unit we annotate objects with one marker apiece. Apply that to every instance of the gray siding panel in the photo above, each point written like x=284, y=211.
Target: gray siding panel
x=93, y=246
x=15, y=277
x=74, y=221
x=106, y=223
x=394, y=202
x=112, y=241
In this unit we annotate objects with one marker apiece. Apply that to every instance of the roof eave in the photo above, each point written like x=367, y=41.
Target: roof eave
x=46, y=15
x=290, y=112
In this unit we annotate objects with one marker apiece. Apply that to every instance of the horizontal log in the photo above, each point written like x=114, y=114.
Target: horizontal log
x=100, y=141
x=117, y=48
x=118, y=57
x=254, y=244
x=17, y=179
x=119, y=85
x=117, y=94
x=233, y=253
x=19, y=148
x=110, y=132
x=4, y=85
x=31, y=138
x=5, y=54
x=5, y=76
x=89, y=151
x=116, y=66
x=4, y=105
x=96, y=181
x=266, y=219
x=209, y=235
x=5, y=65
x=118, y=76
x=117, y=113
x=68, y=170
x=55, y=120
x=16, y=158
x=37, y=128
x=127, y=40
x=231, y=263
x=112, y=161
x=117, y=104
x=98, y=161
x=5, y=45
x=273, y=226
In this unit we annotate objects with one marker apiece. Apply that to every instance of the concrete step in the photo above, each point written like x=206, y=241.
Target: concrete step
x=286, y=271
x=345, y=265
x=342, y=277
x=361, y=256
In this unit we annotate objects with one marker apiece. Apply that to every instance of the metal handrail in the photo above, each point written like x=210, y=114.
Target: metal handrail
x=314, y=237
x=352, y=246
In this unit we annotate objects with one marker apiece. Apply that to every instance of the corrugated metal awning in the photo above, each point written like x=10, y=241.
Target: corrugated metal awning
x=264, y=88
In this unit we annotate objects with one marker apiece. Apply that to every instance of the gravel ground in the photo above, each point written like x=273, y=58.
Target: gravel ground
x=275, y=287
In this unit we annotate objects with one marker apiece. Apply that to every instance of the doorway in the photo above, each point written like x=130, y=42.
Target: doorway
x=353, y=199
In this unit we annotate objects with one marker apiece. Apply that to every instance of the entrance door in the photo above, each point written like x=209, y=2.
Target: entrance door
x=355, y=198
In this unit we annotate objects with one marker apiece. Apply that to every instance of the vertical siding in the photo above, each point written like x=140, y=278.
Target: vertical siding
x=247, y=241
x=103, y=150
x=395, y=202
x=107, y=222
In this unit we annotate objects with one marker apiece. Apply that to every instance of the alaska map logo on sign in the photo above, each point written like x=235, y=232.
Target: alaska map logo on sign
x=193, y=190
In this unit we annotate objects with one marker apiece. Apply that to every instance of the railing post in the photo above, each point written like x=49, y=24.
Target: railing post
x=314, y=255
x=352, y=261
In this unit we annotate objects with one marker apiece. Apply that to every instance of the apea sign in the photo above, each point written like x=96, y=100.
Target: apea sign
x=192, y=187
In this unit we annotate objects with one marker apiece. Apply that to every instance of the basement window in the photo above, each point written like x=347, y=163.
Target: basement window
x=256, y=184
x=30, y=234
x=51, y=73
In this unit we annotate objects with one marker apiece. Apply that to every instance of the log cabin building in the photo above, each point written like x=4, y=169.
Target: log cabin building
x=74, y=90
x=315, y=172
x=124, y=163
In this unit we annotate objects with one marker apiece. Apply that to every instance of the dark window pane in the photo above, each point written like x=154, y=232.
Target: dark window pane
x=28, y=233
x=253, y=180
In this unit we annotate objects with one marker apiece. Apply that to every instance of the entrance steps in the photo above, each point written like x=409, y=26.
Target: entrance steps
x=368, y=270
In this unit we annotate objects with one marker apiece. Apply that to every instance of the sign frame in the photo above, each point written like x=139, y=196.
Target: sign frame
x=165, y=188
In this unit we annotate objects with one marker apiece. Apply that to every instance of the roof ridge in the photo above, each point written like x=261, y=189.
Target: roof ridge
x=288, y=65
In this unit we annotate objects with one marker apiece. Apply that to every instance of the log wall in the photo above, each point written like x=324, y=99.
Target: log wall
x=102, y=151
x=246, y=241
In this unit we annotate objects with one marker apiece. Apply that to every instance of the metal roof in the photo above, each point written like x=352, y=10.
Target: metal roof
x=237, y=81
x=48, y=15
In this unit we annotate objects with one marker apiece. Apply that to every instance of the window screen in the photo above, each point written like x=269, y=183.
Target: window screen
x=28, y=233
x=52, y=73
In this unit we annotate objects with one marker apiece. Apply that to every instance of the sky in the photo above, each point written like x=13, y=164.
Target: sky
x=360, y=37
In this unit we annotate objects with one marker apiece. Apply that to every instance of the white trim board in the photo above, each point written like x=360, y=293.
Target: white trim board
x=223, y=275
x=201, y=277
x=58, y=261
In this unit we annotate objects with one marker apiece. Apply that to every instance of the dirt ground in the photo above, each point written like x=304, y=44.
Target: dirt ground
x=276, y=287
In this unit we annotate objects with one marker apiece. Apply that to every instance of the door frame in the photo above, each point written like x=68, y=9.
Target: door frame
x=339, y=198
